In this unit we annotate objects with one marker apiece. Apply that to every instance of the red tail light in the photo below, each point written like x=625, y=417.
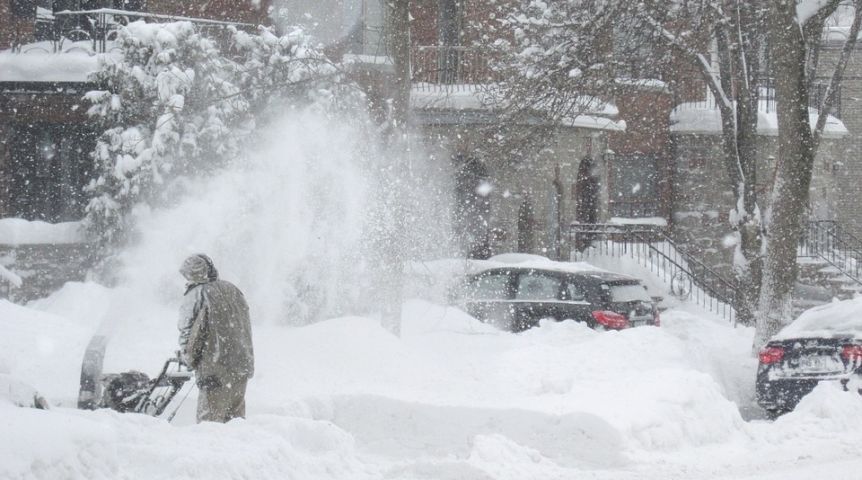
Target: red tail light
x=852, y=353
x=770, y=355
x=656, y=319
x=611, y=319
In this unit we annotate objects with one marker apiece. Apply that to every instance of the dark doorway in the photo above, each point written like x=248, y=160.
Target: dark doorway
x=472, y=210
x=526, y=227
x=587, y=198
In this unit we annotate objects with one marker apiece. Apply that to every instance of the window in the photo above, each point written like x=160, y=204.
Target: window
x=574, y=293
x=538, y=287
x=23, y=8
x=633, y=292
x=50, y=167
x=489, y=287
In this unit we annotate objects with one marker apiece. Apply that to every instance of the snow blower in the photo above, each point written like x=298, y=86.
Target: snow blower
x=130, y=391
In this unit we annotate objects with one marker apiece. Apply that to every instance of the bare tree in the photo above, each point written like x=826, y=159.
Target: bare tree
x=793, y=25
x=734, y=30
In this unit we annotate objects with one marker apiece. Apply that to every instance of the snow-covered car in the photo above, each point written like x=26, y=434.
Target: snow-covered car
x=516, y=298
x=823, y=344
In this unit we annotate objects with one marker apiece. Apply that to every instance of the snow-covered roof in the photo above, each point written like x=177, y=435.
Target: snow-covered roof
x=702, y=118
x=523, y=260
x=644, y=83
x=657, y=221
x=598, y=115
x=836, y=319
x=17, y=231
x=38, y=62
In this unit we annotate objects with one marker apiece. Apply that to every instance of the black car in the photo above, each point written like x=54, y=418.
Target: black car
x=823, y=344
x=516, y=298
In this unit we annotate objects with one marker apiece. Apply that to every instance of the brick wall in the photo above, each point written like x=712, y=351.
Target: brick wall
x=848, y=162
x=15, y=28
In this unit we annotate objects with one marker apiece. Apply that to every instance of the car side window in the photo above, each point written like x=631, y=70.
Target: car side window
x=489, y=287
x=538, y=287
x=574, y=292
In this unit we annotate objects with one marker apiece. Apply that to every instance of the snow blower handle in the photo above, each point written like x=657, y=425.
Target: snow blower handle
x=181, y=360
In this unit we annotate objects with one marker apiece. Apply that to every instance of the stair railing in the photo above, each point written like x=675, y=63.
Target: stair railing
x=652, y=248
x=826, y=240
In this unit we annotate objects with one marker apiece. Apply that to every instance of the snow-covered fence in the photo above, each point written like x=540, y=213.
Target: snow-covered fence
x=100, y=26
x=650, y=247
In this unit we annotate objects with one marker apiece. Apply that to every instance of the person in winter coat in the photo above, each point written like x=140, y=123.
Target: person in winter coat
x=215, y=340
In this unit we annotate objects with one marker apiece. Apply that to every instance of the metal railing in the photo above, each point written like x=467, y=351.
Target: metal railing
x=450, y=67
x=826, y=240
x=100, y=27
x=766, y=97
x=687, y=278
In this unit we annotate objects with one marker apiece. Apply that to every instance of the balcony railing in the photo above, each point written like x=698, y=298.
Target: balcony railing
x=97, y=29
x=766, y=100
x=450, y=67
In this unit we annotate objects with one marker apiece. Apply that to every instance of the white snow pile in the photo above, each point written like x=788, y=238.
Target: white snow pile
x=453, y=398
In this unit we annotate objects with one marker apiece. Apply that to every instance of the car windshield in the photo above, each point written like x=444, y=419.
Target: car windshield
x=488, y=287
x=631, y=292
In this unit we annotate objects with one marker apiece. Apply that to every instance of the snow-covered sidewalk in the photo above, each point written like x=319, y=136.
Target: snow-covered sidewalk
x=452, y=399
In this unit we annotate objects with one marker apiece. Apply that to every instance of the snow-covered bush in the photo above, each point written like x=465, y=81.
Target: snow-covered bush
x=177, y=103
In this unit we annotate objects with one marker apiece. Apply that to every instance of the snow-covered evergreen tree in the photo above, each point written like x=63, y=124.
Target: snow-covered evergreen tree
x=175, y=103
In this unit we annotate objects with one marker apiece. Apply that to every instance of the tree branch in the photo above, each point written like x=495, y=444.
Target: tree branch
x=831, y=92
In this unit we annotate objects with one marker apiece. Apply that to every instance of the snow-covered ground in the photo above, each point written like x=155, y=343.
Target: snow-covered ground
x=342, y=398
x=452, y=399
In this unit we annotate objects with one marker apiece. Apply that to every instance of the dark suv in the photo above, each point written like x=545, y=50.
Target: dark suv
x=516, y=298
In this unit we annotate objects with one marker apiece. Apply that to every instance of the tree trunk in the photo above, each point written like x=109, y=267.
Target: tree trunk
x=393, y=256
x=793, y=174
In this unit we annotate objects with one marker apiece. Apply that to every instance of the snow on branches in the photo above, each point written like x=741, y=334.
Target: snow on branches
x=553, y=56
x=178, y=102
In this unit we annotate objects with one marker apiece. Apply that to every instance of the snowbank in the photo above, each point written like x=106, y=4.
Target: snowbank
x=453, y=398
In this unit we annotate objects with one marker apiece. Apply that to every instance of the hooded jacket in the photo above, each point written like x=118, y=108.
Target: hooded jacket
x=215, y=329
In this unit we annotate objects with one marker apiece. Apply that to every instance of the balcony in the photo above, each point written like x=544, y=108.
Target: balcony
x=704, y=100
x=450, y=68
x=94, y=31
